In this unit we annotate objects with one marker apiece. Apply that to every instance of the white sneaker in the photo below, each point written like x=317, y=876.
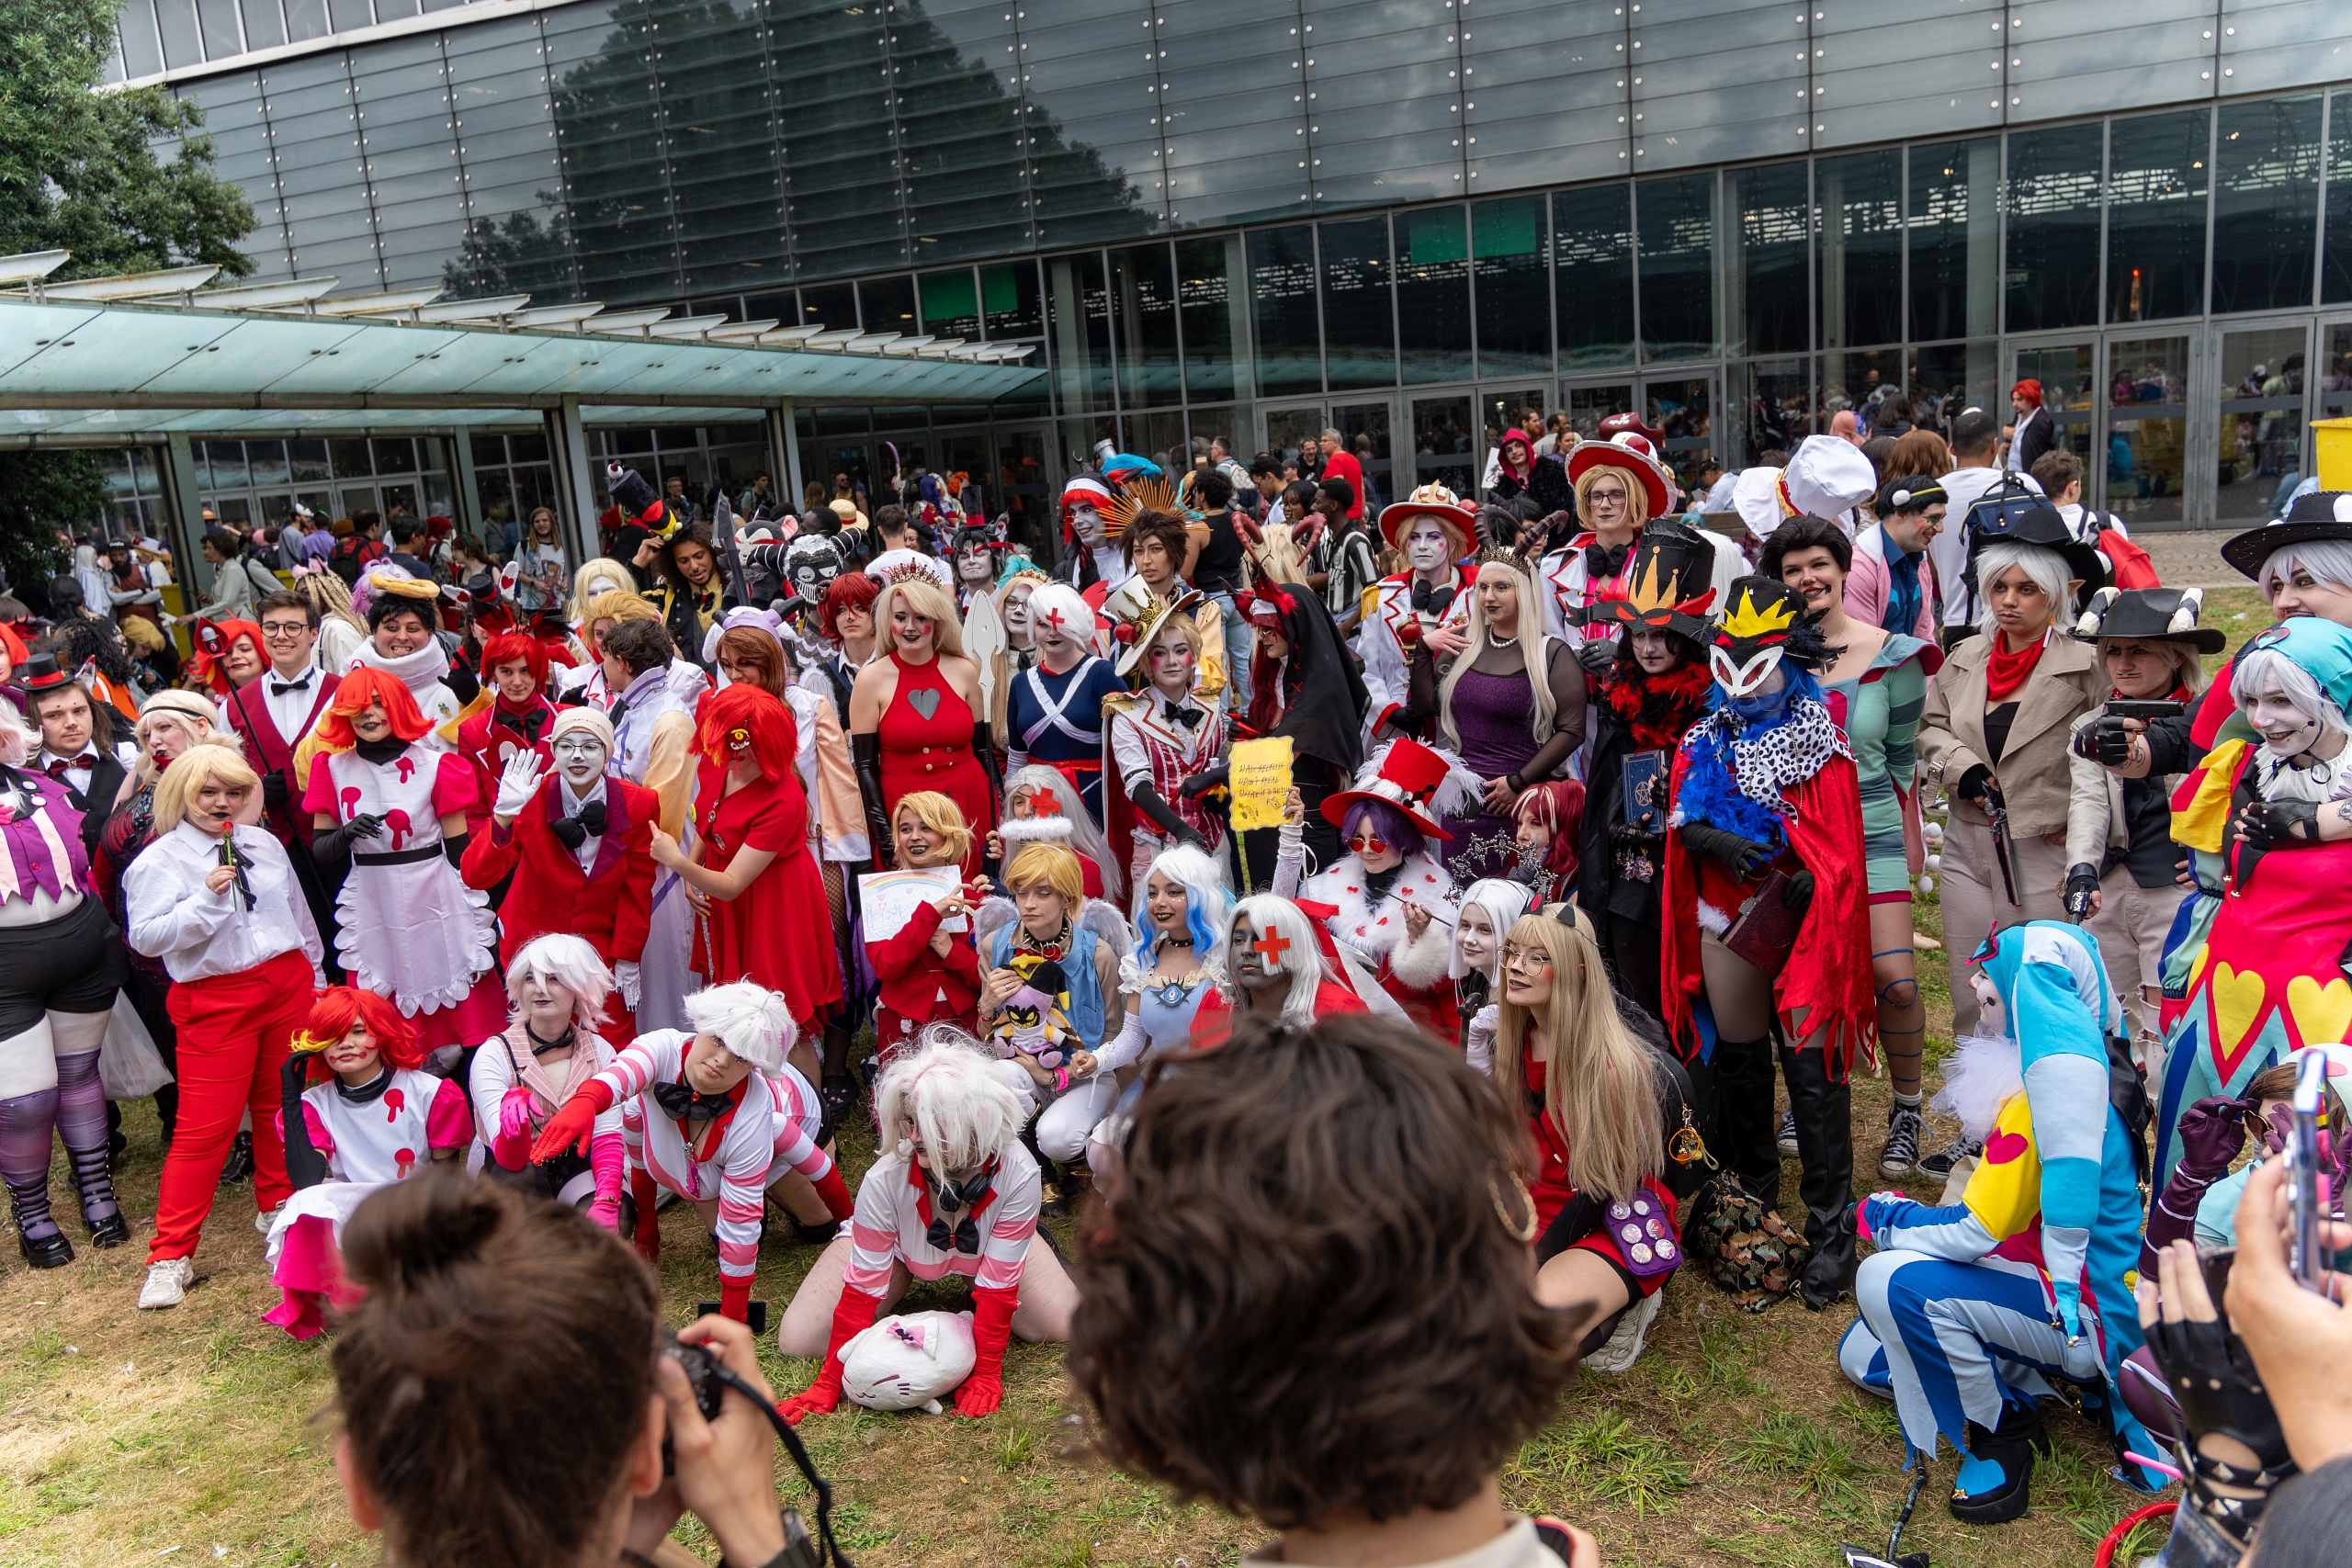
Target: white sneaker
x=267, y=1218
x=168, y=1283
x=1624, y=1346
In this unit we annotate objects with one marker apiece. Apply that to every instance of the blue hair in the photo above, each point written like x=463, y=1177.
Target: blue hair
x=1207, y=926
x=1387, y=820
x=1711, y=791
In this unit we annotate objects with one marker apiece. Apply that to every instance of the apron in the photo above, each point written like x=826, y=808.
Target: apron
x=411, y=930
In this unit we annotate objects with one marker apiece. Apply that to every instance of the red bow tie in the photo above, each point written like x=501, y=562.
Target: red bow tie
x=59, y=766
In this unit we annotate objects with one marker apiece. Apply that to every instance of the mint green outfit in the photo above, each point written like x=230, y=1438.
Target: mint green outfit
x=1879, y=711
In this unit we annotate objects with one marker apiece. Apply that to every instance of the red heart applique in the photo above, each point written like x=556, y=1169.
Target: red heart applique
x=2002, y=1147
x=1352, y=888
x=1382, y=921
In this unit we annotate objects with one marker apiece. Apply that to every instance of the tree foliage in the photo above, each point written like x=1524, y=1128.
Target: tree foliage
x=40, y=493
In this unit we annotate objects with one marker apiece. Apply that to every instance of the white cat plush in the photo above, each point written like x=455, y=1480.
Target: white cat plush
x=908, y=1363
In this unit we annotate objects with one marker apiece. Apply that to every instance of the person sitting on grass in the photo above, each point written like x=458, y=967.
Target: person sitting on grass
x=1252, y=1326
x=952, y=1192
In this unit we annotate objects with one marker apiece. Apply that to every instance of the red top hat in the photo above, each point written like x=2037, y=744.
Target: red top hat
x=1407, y=775
x=1631, y=454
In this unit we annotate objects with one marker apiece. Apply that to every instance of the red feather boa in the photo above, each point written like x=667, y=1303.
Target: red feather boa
x=1658, y=709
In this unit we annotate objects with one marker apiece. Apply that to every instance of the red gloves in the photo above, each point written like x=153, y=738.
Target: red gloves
x=735, y=1299
x=838, y=1201
x=649, y=1228
x=571, y=1125
x=852, y=1315
x=992, y=1326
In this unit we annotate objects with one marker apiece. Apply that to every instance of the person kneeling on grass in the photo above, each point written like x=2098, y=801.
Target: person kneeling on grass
x=359, y=1113
x=953, y=1193
x=717, y=1117
x=1253, y=1311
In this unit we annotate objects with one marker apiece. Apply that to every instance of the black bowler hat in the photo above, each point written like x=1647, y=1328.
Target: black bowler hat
x=2149, y=615
x=2323, y=515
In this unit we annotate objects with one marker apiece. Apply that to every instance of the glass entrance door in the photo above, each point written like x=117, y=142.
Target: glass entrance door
x=1022, y=490
x=1588, y=405
x=2069, y=376
x=1287, y=425
x=1502, y=410
x=2147, y=428
x=1445, y=444
x=1364, y=428
x=1684, y=408
x=2259, y=445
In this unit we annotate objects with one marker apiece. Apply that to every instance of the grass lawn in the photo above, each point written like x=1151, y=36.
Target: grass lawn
x=199, y=1435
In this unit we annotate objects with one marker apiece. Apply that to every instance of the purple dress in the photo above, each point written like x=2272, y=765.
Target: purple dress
x=1495, y=716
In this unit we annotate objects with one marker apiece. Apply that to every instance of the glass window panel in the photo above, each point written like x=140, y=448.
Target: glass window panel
x=1880, y=75
x=2265, y=194
x=832, y=305
x=143, y=47
x=1383, y=105
x=1684, y=411
x=1364, y=427
x=183, y=42
x=412, y=152
x=1214, y=308
x=1514, y=295
x=968, y=188
x=618, y=202
x=1955, y=237
x=1677, y=266
x=515, y=235
x=2266, y=44
x=1143, y=289
x=397, y=456
x=241, y=150
x=1011, y=302
x=721, y=137
x=1592, y=271
x=1078, y=330
x=1771, y=410
x=1233, y=109
x=226, y=460
x=348, y=15
x=307, y=19
x=329, y=226
x=306, y=461
x=2156, y=182
x=1859, y=248
x=489, y=451
x=2262, y=420
x=1433, y=295
x=2054, y=196
x=2147, y=422
x=217, y=20
x=1587, y=406
x=265, y=24
x=1094, y=151
x=1359, y=331
x=1282, y=296
x=395, y=10
x=950, y=304
x=1765, y=267
x=1861, y=381
x=267, y=460
x=887, y=305
x=1715, y=79
x=1545, y=94
x=1445, y=445
x=2076, y=57
x=2336, y=260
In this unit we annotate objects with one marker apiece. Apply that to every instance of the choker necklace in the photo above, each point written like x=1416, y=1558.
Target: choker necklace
x=366, y=1093
x=537, y=1045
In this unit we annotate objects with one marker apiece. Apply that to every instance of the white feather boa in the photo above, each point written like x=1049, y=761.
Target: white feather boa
x=1380, y=934
x=1980, y=1075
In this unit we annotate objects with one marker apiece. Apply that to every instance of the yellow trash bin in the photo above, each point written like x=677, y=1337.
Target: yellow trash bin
x=2331, y=444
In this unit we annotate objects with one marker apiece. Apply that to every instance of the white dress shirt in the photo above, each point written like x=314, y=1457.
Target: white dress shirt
x=290, y=711
x=78, y=779
x=572, y=805
x=200, y=934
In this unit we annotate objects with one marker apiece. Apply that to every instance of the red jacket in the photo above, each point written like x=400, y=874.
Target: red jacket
x=611, y=909
x=913, y=975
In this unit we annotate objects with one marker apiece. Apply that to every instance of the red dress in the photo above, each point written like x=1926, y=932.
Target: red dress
x=763, y=933
x=926, y=735
x=1552, y=1190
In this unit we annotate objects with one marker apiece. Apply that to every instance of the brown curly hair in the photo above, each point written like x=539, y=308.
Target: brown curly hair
x=1310, y=1296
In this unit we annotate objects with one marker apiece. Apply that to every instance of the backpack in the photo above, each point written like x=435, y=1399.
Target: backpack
x=2010, y=499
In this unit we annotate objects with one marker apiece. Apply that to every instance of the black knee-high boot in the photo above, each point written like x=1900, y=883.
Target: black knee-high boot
x=1744, y=1086
x=1824, y=1110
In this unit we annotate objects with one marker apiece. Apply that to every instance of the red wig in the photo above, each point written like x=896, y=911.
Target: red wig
x=351, y=698
x=508, y=647
x=744, y=716
x=213, y=671
x=1556, y=805
x=334, y=1012
x=850, y=590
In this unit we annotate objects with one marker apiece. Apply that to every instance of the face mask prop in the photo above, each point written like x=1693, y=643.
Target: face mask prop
x=1746, y=655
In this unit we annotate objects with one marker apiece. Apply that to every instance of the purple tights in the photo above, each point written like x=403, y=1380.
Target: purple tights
x=77, y=1107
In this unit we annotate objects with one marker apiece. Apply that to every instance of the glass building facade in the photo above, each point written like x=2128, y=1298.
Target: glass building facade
x=1404, y=219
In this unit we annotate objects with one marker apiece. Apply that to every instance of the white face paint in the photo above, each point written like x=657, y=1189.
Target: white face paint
x=1016, y=608
x=1992, y=1016
x=1086, y=523
x=580, y=758
x=2284, y=728
x=1425, y=544
x=1474, y=939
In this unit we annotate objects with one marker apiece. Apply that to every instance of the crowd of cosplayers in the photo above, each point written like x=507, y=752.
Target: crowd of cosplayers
x=595, y=886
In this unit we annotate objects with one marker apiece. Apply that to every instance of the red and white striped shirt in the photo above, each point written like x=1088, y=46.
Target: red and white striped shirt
x=890, y=1225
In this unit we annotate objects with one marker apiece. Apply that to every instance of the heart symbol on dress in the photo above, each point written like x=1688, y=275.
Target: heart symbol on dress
x=2237, y=1006
x=925, y=702
x=2322, y=1013
x=2002, y=1147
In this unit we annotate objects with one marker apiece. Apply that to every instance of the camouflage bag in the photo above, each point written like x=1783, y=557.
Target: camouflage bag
x=1747, y=1249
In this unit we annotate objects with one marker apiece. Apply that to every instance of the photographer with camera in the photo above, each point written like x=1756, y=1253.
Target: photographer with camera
x=507, y=1401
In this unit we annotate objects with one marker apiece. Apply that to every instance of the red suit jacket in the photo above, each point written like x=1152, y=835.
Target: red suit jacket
x=610, y=907
x=270, y=753
x=488, y=745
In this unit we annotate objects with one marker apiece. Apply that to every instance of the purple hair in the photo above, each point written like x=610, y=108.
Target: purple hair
x=1389, y=821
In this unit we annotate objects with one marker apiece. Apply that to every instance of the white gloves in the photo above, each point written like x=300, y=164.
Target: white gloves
x=517, y=784
x=625, y=976
x=1478, y=1044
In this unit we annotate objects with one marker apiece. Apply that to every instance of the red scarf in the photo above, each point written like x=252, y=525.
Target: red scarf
x=2006, y=671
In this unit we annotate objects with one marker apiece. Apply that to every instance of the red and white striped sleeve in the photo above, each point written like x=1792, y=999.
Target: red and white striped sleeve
x=1006, y=1247
x=874, y=1228
x=742, y=1199
x=640, y=1065
x=793, y=1144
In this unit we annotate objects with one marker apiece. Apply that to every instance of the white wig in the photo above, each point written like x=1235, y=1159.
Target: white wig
x=1503, y=903
x=2330, y=560
x=1209, y=905
x=564, y=960
x=2257, y=670
x=1084, y=835
x=754, y=1022
x=1302, y=956
x=2047, y=568
x=948, y=1090
x=1076, y=615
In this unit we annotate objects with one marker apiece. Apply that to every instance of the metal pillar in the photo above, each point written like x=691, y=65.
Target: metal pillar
x=466, y=500
x=784, y=450
x=184, y=526
x=567, y=452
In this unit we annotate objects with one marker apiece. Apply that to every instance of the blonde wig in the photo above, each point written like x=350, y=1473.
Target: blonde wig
x=1048, y=866
x=330, y=597
x=941, y=815
x=599, y=574
x=1600, y=1087
x=927, y=599
x=189, y=711
x=1637, y=497
x=1534, y=652
x=214, y=757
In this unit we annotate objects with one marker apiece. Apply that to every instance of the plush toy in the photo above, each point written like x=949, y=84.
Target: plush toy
x=908, y=1363
x=1034, y=1027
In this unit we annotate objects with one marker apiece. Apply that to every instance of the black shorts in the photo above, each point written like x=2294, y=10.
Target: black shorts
x=73, y=964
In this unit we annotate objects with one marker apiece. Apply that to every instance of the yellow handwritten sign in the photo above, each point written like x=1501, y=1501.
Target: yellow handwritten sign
x=1260, y=783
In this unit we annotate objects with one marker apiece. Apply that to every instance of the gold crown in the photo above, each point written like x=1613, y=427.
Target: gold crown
x=1747, y=619
x=1652, y=590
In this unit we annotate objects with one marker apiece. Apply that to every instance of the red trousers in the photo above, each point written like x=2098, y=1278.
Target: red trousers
x=234, y=1032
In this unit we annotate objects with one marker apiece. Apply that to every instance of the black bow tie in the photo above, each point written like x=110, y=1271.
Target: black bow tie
x=1601, y=562
x=965, y=1238
x=577, y=831
x=1189, y=717
x=528, y=724
x=683, y=1104
x=280, y=688
x=1430, y=600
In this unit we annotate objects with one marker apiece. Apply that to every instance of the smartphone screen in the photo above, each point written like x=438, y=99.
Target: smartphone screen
x=2307, y=1197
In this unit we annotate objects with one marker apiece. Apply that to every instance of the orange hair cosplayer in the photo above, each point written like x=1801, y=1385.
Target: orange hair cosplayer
x=743, y=717
x=332, y=1017
x=358, y=688
x=508, y=647
x=212, y=668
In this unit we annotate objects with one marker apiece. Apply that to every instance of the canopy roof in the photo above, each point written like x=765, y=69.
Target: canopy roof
x=117, y=358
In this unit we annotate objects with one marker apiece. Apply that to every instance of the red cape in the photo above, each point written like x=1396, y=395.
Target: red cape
x=1827, y=978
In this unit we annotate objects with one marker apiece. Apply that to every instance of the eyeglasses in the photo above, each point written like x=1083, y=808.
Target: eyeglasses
x=284, y=631
x=1530, y=958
